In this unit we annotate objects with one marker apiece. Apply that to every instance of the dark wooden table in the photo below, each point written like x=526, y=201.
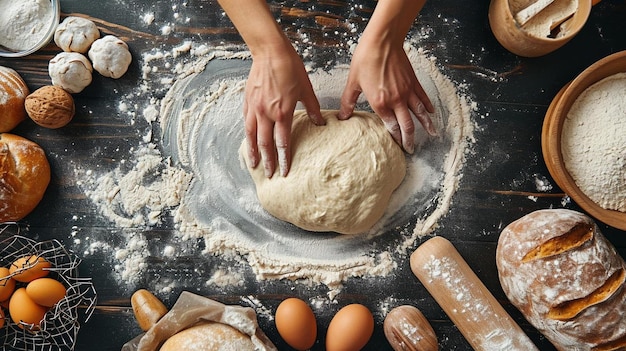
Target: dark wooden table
x=498, y=186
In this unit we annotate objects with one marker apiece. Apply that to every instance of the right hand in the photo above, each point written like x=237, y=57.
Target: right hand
x=277, y=81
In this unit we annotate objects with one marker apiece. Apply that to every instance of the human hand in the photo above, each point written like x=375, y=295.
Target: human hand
x=277, y=81
x=382, y=71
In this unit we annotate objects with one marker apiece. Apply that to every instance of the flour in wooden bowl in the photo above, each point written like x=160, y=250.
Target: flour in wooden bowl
x=593, y=142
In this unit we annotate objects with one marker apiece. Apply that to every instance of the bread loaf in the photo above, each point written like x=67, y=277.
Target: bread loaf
x=559, y=270
x=209, y=336
x=24, y=176
x=13, y=92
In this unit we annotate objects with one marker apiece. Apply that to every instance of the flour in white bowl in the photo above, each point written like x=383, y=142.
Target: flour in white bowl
x=24, y=23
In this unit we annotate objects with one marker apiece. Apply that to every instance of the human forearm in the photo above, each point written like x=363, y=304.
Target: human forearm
x=256, y=25
x=392, y=20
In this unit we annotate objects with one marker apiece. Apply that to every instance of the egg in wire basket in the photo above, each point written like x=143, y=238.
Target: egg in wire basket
x=59, y=327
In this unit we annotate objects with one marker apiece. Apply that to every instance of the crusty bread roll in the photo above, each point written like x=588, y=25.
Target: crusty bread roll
x=559, y=270
x=13, y=92
x=24, y=176
x=209, y=336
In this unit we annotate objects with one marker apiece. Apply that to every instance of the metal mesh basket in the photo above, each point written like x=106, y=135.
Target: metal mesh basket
x=59, y=328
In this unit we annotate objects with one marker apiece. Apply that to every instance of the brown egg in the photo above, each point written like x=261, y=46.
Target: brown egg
x=45, y=291
x=23, y=309
x=7, y=284
x=350, y=329
x=29, y=268
x=296, y=323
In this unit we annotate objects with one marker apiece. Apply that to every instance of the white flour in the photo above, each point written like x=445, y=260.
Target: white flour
x=593, y=142
x=203, y=188
x=24, y=23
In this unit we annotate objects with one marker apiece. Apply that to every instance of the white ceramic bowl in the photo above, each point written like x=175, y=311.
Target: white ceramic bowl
x=56, y=8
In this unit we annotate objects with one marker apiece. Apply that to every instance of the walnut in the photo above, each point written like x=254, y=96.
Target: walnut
x=50, y=107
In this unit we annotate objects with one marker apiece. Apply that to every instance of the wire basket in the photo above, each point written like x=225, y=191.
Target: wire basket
x=59, y=328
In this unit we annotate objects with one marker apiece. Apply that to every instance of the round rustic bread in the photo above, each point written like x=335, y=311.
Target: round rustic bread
x=13, y=92
x=566, y=278
x=24, y=176
x=208, y=336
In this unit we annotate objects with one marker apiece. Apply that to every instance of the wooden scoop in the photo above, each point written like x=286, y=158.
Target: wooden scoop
x=465, y=299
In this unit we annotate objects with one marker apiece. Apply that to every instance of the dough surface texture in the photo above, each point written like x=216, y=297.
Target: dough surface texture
x=208, y=336
x=76, y=34
x=342, y=174
x=110, y=56
x=71, y=71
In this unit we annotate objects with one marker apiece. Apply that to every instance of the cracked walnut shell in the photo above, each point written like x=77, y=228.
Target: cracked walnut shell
x=50, y=107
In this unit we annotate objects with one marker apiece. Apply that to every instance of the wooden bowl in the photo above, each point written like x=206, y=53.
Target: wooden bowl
x=551, y=135
x=519, y=41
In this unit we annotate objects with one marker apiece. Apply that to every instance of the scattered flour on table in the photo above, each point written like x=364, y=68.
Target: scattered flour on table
x=155, y=186
x=593, y=142
x=139, y=196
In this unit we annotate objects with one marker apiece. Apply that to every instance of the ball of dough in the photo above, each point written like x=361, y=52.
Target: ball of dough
x=76, y=34
x=50, y=107
x=208, y=337
x=342, y=174
x=24, y=176
x=71, y=71
x=13, y=91
x=110, y=56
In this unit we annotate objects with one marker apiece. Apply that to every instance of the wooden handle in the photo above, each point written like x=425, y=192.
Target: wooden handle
x=148, y=309
x=465, y=299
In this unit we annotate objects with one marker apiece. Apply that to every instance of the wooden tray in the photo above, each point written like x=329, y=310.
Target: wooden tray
x=551, y=135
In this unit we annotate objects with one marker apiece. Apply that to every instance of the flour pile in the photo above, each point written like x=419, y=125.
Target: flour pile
x=593, y=142
x=195, y=175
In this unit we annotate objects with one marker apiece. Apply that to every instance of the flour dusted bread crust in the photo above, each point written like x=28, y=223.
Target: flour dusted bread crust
x=13, y=92
x=209, y=336
x=24, y=176
x=342, y=174
x=559, y=270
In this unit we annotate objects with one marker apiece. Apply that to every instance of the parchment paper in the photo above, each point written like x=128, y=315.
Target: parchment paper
x=191, y=309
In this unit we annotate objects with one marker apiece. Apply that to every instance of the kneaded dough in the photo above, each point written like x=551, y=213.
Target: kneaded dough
x=71, y=71
x=110, y=56
x=76, y=34
x=342, y=174
x=208, y=336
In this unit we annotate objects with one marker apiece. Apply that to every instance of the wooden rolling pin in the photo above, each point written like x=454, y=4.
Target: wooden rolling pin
x=465, y=299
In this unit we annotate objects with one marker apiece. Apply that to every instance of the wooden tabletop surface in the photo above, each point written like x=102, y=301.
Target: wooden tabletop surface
x=498, y=186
